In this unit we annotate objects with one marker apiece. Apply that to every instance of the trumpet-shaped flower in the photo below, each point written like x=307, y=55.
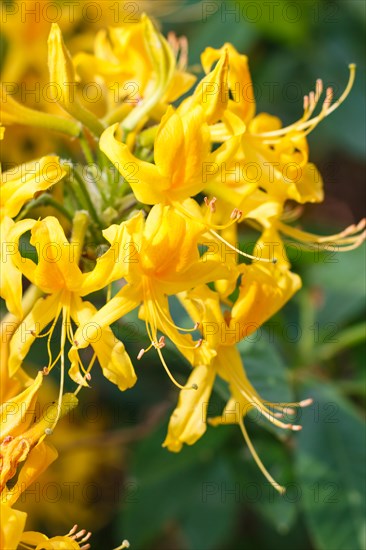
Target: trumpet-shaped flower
x=136, y=67
x=181, y=150
x=264, y=290
x=58, y=275
x=162, y=262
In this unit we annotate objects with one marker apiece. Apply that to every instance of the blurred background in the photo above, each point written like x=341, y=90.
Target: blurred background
x=113, y=476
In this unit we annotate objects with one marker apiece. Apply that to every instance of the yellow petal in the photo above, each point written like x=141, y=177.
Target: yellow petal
x=11, y=277
x=57, y=266
x=240, y=84
x=188, y=421
x=143, y=177
x=38, y=460
x=12, y=526
x=62, y=73
x=21, y=184
x=127, y=299
x=14, y=415
x=211, y=92
x=264, y=289
x=112, y=356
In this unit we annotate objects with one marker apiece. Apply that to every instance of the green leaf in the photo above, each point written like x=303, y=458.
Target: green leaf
x=183, y=487
x=330, y=464
x=265, y=367
x=341, y=281
x=253, y=488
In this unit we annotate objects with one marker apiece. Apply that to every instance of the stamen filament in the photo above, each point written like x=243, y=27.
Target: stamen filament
x=65, y=318
x=310, y=103
x=240, y=252
x=86, y=375
x=260, y=464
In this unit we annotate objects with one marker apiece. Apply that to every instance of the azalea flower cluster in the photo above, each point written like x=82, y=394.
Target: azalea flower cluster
x=151, y=215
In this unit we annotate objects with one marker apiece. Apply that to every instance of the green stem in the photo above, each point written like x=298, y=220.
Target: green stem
x=44, y=200
x=88, y=201
x=86, y=149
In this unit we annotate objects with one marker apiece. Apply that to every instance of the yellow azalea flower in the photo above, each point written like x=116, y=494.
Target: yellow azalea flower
x=278, y=154
x=87, y=464
x=244, y=398
x=162, y=262
x=25, y=453
x=11, y=276
x=135, y=66
x=58, y=275
x=222, y=332
x=181, y=149
x=12, y=534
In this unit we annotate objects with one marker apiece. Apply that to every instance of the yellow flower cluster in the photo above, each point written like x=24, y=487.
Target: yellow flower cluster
x=171, y=167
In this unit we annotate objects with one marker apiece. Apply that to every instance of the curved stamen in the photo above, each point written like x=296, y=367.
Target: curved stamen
x=152, y=322
x=258, y=461
x=240, y=252
x=310, y=103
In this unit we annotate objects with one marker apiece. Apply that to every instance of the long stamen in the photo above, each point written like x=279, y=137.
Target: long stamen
x=49, y=351
x=310, y=103
x=171, y=323
x=260, y=406
x=235, y=215
x=240, y=252
x=193, y=387
x=65, y=319
x=351, y=235
x=152, y=328
x=260, y=464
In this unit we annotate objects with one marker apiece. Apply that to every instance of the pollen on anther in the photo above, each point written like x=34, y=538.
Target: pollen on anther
x=296, y=428
x=236, y=214
x=211, y=204
x=306, y=402
x=140, y=353
x=45, y=371
x=88, y=376
x=199, y=343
